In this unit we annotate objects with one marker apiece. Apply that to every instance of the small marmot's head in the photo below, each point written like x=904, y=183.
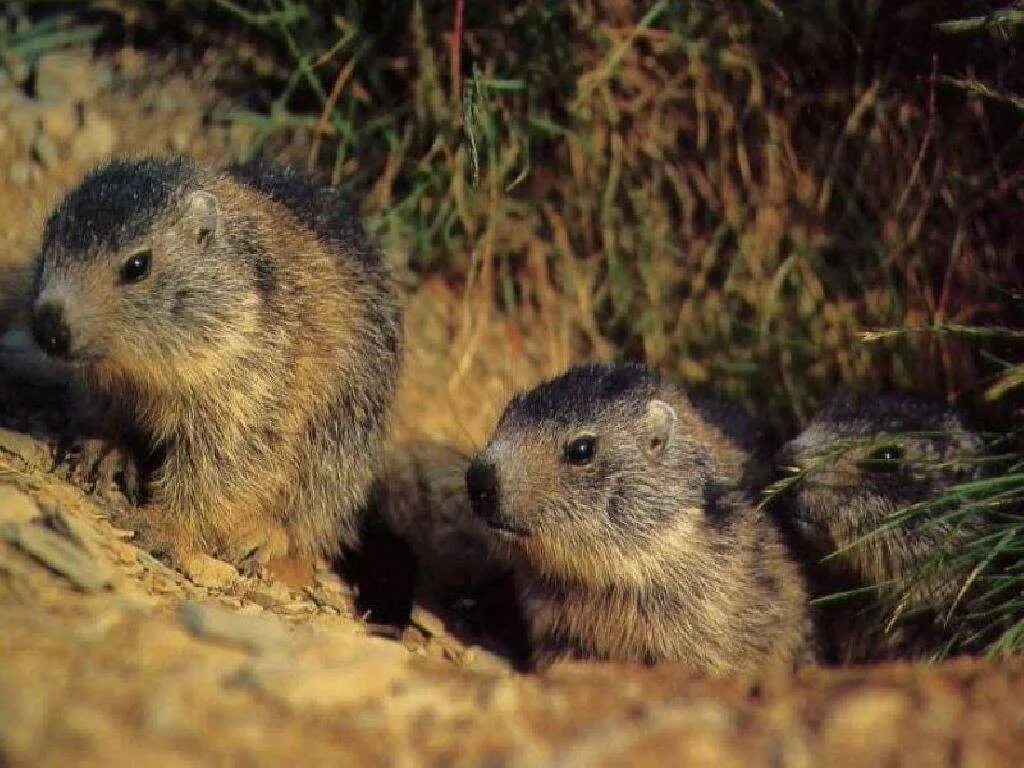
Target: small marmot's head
x=863, y=460
x=128, y=274
x=585, y=472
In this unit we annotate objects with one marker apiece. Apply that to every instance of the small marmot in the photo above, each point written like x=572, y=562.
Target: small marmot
x=244, y=325
x=858, y=463
x=629, y=539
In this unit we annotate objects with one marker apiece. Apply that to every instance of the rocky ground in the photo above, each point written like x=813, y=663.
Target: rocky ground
x=108, y=657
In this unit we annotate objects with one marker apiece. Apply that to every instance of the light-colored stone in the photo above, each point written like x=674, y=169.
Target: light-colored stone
x=45, y=151
x=20, y=173
x=19, y=444
x=269, y=593
x=256, y=633
x=69, y=76
x=22, y=119
x=366, y=672
x=58, y=120
x=96, y=139
x=59, y=555
x=16, y=505
x=16, y=67
x=864, y=728
x=209, y=572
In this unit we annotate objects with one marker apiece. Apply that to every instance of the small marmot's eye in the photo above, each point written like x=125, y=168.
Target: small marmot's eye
x=884, y=458
x=137, y=267
x=581, y=451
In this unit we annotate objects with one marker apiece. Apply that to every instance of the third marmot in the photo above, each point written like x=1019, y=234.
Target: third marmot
x=618, y=505
x=244, y=325
x=858, y=464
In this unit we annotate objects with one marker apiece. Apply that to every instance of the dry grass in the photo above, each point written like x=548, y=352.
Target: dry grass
x=730, y=191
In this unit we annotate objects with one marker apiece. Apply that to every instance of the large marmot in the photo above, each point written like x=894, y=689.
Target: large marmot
x=244, y=325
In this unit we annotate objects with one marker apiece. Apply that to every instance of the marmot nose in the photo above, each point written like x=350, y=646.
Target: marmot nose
x=482, y=487
x=51, y=332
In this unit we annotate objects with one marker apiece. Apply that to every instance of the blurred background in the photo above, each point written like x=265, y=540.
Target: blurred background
x=734, y=192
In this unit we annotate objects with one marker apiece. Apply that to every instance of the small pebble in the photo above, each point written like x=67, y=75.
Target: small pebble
x=17, y=506
x=209, y=572
x=253, y=632
x=59, y=555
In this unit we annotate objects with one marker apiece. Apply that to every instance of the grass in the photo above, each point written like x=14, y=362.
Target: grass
x=782, y=199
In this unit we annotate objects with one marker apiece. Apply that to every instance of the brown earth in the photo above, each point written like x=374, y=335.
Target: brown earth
x=108, y=657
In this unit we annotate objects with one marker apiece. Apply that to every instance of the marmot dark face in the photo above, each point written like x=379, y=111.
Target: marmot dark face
x=589, y=468
x=861, y=461
x=127, y=273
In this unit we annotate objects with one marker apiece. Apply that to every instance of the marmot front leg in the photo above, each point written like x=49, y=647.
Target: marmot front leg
x=101, y=465
x=224, y=511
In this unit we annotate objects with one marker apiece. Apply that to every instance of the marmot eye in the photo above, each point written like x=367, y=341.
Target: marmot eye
x=137, y=267
x=884, y=458
x=581, y=450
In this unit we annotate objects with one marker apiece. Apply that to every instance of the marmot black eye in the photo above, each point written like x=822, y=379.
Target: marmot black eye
x=884, y=458
x=581, y=451
x=137, y=267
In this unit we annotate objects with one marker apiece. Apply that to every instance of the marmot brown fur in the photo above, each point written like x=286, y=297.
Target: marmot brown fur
x=242, y=323
x=628, y=536
x=420, y=495
x=860, y=462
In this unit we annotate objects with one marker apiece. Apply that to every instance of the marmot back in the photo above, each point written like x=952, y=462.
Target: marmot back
x=860, y=462
x=244, y=323
x=627, y=536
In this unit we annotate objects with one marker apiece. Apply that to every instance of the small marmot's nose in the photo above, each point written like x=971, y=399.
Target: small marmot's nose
x=51, y=331
x=482, y=487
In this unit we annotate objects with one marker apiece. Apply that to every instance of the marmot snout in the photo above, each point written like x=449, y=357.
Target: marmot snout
x=628, y=538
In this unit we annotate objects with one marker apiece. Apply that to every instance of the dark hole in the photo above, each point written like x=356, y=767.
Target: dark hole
x=383, y=569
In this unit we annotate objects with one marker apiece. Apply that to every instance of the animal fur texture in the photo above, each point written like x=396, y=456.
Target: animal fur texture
x=257, y=355
x=860, y=462
x=646, y=552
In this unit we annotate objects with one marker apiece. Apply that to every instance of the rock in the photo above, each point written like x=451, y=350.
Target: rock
x=150, y=563
x=269, y=594
x=335, y=600
x=209, y=572
x=59, y=555
x=95, y=140
x=19, y=173
x=22, y=446
x=44, y=150
x=426, y=621
x=864, y=728
x=58, y=121
x=22, y=119
x=16, y=506
x=69, y=76
x=365, y=670
x=253, y=632
x=16, y=67
x=72, y=528
x=183, y=132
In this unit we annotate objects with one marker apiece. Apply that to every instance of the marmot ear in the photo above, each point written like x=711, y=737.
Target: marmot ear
x=204, y=210
x=660, y=421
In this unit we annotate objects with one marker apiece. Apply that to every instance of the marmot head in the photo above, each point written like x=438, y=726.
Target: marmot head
x=862, y=460
x=585, y=473
x=129, y=275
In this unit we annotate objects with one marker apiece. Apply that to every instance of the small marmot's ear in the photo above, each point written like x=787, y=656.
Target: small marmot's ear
x=203, y=209
x=660, y=420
